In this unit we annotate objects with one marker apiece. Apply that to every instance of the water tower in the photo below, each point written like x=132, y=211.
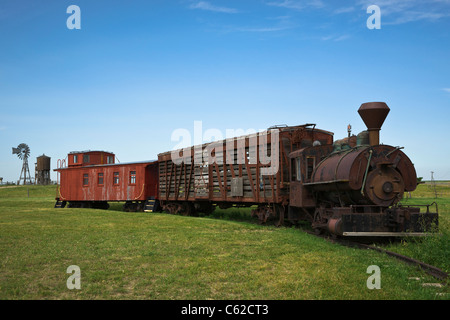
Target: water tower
x=42, y=170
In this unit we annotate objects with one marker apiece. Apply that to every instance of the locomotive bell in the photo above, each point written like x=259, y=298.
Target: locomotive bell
x=373, y=114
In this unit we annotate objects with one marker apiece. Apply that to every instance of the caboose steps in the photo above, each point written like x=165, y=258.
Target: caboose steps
x=60, y=204
x=151, y=205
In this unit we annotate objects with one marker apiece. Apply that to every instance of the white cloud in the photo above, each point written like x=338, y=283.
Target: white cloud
x=344, y=10
x=340, y=38
x=279, y=23
x=335, y=38
x=446, y=89
x=297, y=4
x=404, y=11
x=261, y=29
x=203, y=5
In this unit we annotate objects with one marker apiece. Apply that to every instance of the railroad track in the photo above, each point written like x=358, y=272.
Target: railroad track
x=429, y=269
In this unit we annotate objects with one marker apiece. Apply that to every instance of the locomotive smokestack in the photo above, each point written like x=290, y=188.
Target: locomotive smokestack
x=373, y=115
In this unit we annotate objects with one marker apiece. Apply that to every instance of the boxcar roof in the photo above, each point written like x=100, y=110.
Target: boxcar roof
x=307, y=126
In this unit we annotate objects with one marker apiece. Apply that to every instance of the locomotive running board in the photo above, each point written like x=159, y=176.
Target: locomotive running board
x=384, y=234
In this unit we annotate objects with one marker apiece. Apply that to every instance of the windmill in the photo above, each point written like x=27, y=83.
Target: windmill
x=23, y=152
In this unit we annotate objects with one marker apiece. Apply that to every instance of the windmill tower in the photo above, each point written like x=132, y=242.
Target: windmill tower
x=23, y=152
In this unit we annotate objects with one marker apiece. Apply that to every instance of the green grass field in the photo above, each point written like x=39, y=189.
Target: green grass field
x=125, y=255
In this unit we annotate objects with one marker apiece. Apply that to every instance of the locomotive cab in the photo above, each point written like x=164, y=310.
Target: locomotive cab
x=303, y=164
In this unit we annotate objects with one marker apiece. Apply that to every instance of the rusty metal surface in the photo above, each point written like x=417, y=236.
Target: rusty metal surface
x=300, y=196
x=366, y=220
x=231, y=181
x=373, y=115
x=345, y=168
x=383, y=180
x=43, y=163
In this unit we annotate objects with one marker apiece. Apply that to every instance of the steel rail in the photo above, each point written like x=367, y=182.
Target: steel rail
x=429, y=269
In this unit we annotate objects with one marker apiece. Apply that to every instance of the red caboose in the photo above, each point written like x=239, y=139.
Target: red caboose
x=92, y=178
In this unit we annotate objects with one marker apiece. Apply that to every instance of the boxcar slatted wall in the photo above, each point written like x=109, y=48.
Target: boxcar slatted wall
x=236, y=174
x=213, y=181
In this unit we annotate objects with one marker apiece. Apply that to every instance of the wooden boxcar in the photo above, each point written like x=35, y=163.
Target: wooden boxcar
x=92, y=178
x=248, y=170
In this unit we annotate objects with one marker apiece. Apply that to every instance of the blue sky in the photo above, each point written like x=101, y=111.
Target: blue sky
x=138, y=70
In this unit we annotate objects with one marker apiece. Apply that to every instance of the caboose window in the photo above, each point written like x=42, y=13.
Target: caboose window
x=85, y=179
x=100, y=178
x=109, y=159
x=85, y=158
x=116, y=178
x=75, y=158
x=132, y=177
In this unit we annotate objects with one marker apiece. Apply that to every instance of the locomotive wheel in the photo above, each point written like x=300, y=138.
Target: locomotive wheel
x=320, y=220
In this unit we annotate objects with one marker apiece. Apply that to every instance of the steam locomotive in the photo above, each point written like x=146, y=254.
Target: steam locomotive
x=349, y=187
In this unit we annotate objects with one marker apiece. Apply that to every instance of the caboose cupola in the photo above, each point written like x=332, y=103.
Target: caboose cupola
x=89, y=157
